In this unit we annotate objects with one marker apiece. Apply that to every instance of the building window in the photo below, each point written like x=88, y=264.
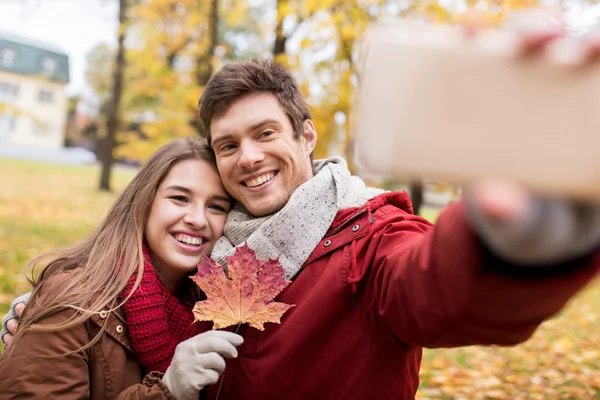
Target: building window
x=8, y=123
x=45, y=96
x=7, y=57
x=49, y=65
x=8, y=91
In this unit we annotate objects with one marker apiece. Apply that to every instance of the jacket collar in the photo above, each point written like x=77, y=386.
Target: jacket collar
x=116, y=326
x=400, y=200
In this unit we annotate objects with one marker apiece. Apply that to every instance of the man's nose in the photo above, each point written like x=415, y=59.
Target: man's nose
x=250, y=155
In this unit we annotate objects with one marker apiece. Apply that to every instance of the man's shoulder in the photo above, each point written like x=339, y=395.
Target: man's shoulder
x=391, y=202
x=396, y=207
x=381, y=207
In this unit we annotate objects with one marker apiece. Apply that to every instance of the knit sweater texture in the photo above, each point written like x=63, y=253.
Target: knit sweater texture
x=157, y=319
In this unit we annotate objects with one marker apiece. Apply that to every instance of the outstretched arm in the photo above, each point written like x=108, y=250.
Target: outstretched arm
x=445, y=286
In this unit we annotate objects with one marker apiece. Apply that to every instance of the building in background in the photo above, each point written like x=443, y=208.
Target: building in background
x=33, y=101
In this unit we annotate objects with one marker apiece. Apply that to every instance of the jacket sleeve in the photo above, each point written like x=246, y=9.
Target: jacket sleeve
x=442, y=288
x=152, y=388
x=31, y=370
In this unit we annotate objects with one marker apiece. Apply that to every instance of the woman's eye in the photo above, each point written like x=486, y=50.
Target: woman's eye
x=218, y=207
x=182, y=199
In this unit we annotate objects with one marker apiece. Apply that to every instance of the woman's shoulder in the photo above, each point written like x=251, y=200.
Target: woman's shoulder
x=57, y=285
x=64, y=285
x=59, y=279
x=56, y=295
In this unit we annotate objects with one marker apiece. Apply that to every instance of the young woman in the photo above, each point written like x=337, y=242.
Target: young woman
x=111, y=316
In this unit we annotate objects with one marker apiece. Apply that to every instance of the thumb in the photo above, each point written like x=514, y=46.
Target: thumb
x=499, y=200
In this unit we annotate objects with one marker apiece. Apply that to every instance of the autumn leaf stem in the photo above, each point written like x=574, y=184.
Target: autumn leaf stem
x=223, y=375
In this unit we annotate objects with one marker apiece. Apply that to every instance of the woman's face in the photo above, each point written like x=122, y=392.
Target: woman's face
x=186, y=218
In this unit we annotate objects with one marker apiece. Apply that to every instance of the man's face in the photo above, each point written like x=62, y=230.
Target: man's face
x=259, y=160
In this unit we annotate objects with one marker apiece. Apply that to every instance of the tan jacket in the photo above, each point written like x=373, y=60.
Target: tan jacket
x=108, y=370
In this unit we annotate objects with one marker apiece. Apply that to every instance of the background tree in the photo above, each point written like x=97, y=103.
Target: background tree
x=107, y=144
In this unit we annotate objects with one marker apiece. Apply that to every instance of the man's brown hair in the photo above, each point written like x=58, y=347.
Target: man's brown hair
x=238, y=79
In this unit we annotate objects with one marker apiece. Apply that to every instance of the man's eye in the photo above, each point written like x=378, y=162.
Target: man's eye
x=227, y=147
x=267, y=133
x=182, y=199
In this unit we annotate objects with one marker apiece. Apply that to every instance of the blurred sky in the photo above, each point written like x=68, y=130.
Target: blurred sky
x=76, y=26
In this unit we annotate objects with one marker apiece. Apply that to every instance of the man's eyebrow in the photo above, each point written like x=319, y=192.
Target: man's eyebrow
x=255, y=127
x=229, y=136
x=267, y=121
x=180, y=188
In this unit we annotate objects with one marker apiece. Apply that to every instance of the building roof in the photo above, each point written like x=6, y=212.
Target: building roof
x=28, y=57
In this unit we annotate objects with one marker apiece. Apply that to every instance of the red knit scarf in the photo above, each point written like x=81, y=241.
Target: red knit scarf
x=157, y=320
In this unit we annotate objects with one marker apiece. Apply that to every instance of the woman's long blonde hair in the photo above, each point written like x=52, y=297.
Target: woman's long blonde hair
x=101, y=265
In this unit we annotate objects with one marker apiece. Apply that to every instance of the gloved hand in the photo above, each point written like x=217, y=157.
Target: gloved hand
x=517, y=225
x=11, y=320
x=532, y=230
x=199, y=362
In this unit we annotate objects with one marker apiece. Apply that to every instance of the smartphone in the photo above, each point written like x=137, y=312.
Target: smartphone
x=435, y=103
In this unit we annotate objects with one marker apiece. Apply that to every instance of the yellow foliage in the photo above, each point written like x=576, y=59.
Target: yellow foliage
x=171, y=40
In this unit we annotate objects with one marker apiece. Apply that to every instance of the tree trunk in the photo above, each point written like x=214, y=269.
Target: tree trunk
x=280, y=38
x=112, y=112
x=204, y=65
x=204, y=62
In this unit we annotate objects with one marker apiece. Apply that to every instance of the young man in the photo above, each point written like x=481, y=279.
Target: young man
x=372, y=283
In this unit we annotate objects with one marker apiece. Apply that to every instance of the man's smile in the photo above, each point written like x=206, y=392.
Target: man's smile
x=259, y=179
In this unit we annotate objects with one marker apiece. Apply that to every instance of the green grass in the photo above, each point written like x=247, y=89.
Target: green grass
x=46, y=206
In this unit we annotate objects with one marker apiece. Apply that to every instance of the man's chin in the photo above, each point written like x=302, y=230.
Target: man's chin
x=263, y=209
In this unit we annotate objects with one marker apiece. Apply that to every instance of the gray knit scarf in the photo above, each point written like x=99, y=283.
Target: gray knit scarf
x=293, y=232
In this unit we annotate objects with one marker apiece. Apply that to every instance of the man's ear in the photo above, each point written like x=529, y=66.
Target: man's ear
x=309, y=137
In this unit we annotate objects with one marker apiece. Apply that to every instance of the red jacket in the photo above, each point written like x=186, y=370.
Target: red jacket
x=380, y=286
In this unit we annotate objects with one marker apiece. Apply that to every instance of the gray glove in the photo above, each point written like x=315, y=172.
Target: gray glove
x=199, y=362
x=553, y=231
x=12, y=314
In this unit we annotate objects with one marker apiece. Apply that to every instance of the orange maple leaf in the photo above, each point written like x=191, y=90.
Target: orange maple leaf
x=246, y=296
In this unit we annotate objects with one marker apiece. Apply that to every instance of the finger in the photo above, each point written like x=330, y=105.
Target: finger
x=7, y=339
x=216, y=345
x=213, y=361
x=534, y=42
x=19, y=308
x=231, y=337
x=12, y=326
x=590, y=47
x=535, y=28
x=500, y=201
x=473, y=22
x=210, y=377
